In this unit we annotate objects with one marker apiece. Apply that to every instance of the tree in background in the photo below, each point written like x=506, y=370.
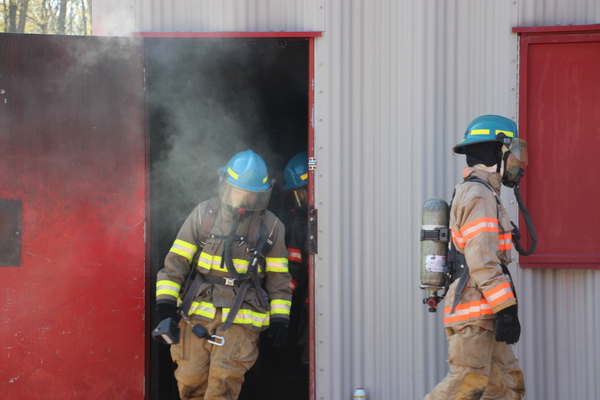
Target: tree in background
x=58, y=17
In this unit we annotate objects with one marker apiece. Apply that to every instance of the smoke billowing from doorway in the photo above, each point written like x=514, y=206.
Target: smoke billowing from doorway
x=210, y=99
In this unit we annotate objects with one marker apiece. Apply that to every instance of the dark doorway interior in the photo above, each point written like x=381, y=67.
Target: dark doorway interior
x=207, y=100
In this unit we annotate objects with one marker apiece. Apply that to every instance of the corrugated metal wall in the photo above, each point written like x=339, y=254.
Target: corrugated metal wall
x=396, y=83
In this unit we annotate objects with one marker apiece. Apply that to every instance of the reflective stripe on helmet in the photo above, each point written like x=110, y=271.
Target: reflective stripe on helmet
x=232, y=173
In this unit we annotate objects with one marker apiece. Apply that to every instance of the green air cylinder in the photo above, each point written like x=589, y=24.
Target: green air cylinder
x=434, y=248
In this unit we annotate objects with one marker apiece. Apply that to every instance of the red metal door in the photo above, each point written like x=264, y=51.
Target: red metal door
x=560, y=118
x=72, y=170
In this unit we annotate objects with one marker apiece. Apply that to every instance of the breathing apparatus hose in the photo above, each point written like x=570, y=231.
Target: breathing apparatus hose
x=528, y=222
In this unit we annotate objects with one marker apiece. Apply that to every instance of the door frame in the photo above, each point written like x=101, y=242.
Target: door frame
x=306, y=35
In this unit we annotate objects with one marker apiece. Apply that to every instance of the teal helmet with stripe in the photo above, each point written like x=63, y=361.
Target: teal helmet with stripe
x=296, y=180
x=496, y=129
x=248, y=170
x=488, y=128
x=245, y=182
x=296, y=171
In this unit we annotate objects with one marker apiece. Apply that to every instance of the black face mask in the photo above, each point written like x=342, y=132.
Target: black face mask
x=487, y=153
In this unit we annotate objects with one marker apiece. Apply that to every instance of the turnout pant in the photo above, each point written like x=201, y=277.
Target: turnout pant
x=206, y=371
x=480, y=368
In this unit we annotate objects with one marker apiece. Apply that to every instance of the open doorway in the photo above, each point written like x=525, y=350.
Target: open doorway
x=209, y=99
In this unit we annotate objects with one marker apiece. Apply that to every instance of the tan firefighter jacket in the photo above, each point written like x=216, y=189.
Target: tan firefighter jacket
x=481, y=230
x=211, y=295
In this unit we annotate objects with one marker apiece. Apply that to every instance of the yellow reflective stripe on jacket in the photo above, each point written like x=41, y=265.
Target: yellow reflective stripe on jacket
x=499, y=294
x=249, y=317
x=280, y=307
x=276, y=264
x=203, y=308
x=167, y=289
x=205, y=261
x=184, y=249
x=208, y=262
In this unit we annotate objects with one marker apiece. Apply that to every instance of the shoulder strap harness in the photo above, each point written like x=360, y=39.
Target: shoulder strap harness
x=259, y=244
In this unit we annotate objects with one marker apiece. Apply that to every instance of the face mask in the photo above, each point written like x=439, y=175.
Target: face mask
x=243, y=199
x=513, y=162
x=301, y=197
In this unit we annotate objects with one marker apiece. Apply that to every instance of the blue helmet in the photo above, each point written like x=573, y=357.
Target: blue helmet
x=296, y=171
x=245, y=182
x=488, y=128
x=498, y=129
x=247, y=170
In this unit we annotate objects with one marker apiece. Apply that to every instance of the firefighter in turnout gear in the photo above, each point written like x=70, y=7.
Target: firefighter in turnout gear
x=480, y=307
x=296, y=227
x=228, y=272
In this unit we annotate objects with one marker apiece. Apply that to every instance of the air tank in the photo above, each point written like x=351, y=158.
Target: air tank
x=434, y=249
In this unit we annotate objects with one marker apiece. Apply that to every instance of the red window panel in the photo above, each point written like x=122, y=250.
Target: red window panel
x=560, y=118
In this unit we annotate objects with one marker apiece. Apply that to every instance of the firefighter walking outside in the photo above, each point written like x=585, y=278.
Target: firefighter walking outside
x=480, y=302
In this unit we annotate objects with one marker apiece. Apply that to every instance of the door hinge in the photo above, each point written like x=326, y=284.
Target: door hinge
x=312, y=163
x=312, y=245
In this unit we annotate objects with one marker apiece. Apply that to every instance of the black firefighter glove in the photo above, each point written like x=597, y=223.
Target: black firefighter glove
x=166, y=331
x=508, y=328
x=167, y=310
x=278, y=332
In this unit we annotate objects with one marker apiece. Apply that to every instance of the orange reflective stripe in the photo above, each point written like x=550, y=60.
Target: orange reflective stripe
x=478, y=226
x=464, y=312
x=499, y=294
x=505, y=241
x=294, y=255
x=458, y=239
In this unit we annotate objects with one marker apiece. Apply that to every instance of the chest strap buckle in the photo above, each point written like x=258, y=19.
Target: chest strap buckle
x=229, y=281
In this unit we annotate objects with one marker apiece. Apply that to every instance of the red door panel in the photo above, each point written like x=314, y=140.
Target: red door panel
x=72, y=156
x=560, y=118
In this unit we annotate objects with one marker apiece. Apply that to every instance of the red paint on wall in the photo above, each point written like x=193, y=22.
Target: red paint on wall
x=72, y=149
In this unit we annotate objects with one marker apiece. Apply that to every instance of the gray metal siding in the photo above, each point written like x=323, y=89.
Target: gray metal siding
x=229, y=16
x=396, y=83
